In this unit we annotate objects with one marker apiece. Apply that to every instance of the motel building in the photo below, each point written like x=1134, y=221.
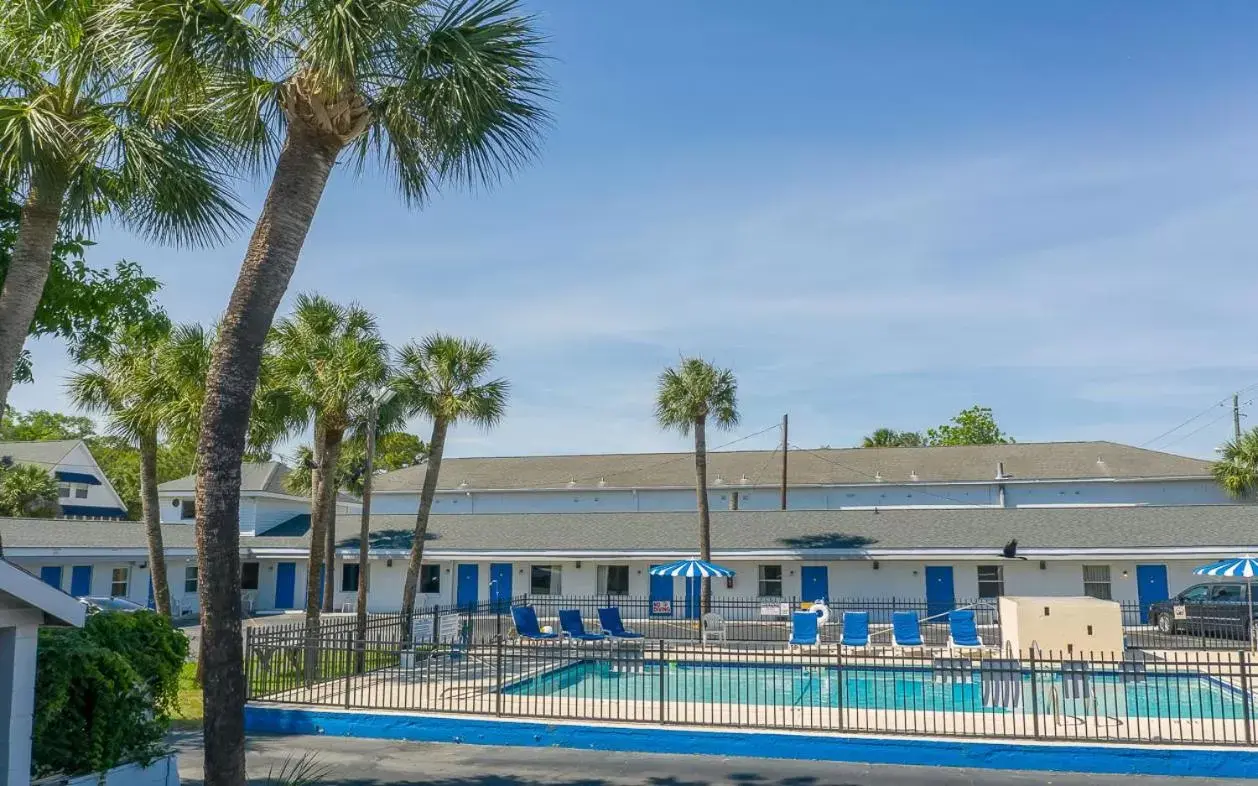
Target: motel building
x=1092, y=518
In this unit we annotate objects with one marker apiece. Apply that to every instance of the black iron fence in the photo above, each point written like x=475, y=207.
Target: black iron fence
x=767, y=620
x=1178, y=697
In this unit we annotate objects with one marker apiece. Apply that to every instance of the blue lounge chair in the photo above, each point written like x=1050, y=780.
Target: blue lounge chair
x=525, y=619
x=855, y=629
x=609, y=619
x=906, y=629
x=962, y=630
x=803, y=629
x=570, y=622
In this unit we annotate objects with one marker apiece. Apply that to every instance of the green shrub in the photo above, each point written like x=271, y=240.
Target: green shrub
x=104, y=693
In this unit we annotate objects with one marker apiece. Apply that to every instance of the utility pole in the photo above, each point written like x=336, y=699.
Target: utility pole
x=1236, y=414
x=786, y=443
x=379, y=399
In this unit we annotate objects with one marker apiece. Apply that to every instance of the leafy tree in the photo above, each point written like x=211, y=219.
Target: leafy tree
x=121, y=385
x=27, y=490
x=687, y=398
x=435, y=92
x=81, y=305
x=890, y=438
x=329, y=358
x=973, y=426
x=443, y=378
x=40, y=425
x=120, y=461
x=1237, y=468
x=77, y=145
x=393, y=451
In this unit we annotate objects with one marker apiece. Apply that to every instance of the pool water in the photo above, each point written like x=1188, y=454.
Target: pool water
x=1166, y=695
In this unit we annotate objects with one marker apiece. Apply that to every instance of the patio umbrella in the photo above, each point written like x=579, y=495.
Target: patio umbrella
x=691, y=568
x=1238, y=567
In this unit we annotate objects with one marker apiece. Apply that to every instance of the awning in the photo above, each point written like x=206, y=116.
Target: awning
x=77, y=477
x=93, y=511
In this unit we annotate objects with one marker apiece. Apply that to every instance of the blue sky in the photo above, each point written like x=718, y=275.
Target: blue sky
x=875, y=213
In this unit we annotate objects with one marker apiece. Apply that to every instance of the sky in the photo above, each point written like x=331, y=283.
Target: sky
x=876, y=214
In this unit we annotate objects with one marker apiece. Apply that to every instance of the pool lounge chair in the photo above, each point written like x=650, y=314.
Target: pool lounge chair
x=855, y=629
x=906, y=629
x=804, y=630
x=609, y=619
x=570, y=623
x=525, y=619
x=962, y=630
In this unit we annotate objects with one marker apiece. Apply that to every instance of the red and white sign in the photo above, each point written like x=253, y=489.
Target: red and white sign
x=662, y=607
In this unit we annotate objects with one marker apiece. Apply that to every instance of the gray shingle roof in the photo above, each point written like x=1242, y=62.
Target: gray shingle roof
x=1226, y=527
x=45, y=453
x=267, y=476
x=1028, y=461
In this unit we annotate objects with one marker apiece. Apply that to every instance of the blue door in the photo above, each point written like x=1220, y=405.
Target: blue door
x=940, y=598
x=51, y=575
x=467, y=588
x=1151, y=587
x=500, y=585
x=81, y=581
x=814, y=583
x=661, y=593
x=285, y=584
x=694, y=597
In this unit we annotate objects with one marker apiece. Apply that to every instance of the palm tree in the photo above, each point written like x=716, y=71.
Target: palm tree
x=77, y=145
x=686, y=398
x=118, y=384
x=890, y=438
x=27, y=491
x=442, y=378
x=330, y=358
x=1237, y=468
x=436, y=92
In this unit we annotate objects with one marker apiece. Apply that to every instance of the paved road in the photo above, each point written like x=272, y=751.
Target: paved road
x=355, y=762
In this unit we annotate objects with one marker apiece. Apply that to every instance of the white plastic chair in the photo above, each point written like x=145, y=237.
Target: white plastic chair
x=248, y=599
x=713, y=628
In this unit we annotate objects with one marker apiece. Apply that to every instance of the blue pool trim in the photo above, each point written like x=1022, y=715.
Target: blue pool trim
x=1233, y=762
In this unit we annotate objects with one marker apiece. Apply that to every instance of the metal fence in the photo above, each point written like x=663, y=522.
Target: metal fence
x=767, y=620
x=1179, y=697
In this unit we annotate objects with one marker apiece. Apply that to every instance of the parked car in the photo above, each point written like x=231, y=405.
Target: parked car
x=1213, y=609
x=96, y=605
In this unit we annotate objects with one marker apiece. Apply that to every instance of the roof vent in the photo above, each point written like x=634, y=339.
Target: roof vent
x=463, y=484
x=572, y=482
x=878, y=477
x=720, y=481
x=602, y=482
x=1000, y=471
x=744, y=479
x=913, y=476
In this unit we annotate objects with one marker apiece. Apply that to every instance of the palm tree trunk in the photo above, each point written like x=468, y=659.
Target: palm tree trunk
x=705, y=515
x=316, y=571
x=436, y=447
x=301, y=172
x=328, y=490
x=152, y=522
x=27, y=274
x=364, y=545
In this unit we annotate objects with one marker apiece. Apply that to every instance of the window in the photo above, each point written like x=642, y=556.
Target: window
x=63, y=491
x=349, y=577
x=190, y=579
x=120, y=583
x=1228, y=593
x=1197, y=594
x=545, y=580
x=248, y=575
x=188, y=510
x=80, y=492
x=1096, y=582
x=430, y=579
x=613, y=579
x=991, y=581
x=770, y=581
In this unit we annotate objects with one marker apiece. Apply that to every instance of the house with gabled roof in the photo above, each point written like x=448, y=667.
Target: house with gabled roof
x=83, y=490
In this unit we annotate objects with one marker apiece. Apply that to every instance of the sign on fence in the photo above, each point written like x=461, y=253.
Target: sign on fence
x=775, y=610
x=661, y=608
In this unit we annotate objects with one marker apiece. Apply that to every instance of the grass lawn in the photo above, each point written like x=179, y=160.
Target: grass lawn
x=191, y=709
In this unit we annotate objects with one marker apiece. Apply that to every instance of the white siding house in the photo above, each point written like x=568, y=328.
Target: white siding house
x=83, y=489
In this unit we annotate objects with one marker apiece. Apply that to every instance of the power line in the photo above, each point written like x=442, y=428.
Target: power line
x=1221, y=402
x=1199, y=429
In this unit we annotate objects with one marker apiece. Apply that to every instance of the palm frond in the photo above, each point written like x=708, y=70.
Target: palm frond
x=695, y=390
x=443, y=377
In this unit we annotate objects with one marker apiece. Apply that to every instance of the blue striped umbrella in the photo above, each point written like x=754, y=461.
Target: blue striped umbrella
x=1238, y=567
x=690, y=568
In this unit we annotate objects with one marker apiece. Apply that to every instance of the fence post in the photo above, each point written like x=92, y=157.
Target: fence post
x=663, y=672
x=248, y=663
x=1035, y=697
x=1246, y=699
x=349, y=664
x=838, y=660
x=498, y=695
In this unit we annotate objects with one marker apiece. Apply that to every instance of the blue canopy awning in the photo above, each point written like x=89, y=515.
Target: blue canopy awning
x=691, y=568
x=93, y=511
x=77, y=477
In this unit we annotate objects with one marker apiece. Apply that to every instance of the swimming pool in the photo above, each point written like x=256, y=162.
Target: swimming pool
x=1170, y=694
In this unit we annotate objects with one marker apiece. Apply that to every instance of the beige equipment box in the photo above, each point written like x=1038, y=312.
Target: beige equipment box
x=1061, y=626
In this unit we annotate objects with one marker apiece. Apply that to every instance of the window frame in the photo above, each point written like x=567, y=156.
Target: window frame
x=187, y=509
x=604, y=580
x=1090, y=584
x=125, y=581
x=998, y=581
x=257, y=575
x=553, y=576
x=432, y=580
x=64, y=491
x=80, y=490
x=191, y=579
x=764, y=582
x=1203, y=588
